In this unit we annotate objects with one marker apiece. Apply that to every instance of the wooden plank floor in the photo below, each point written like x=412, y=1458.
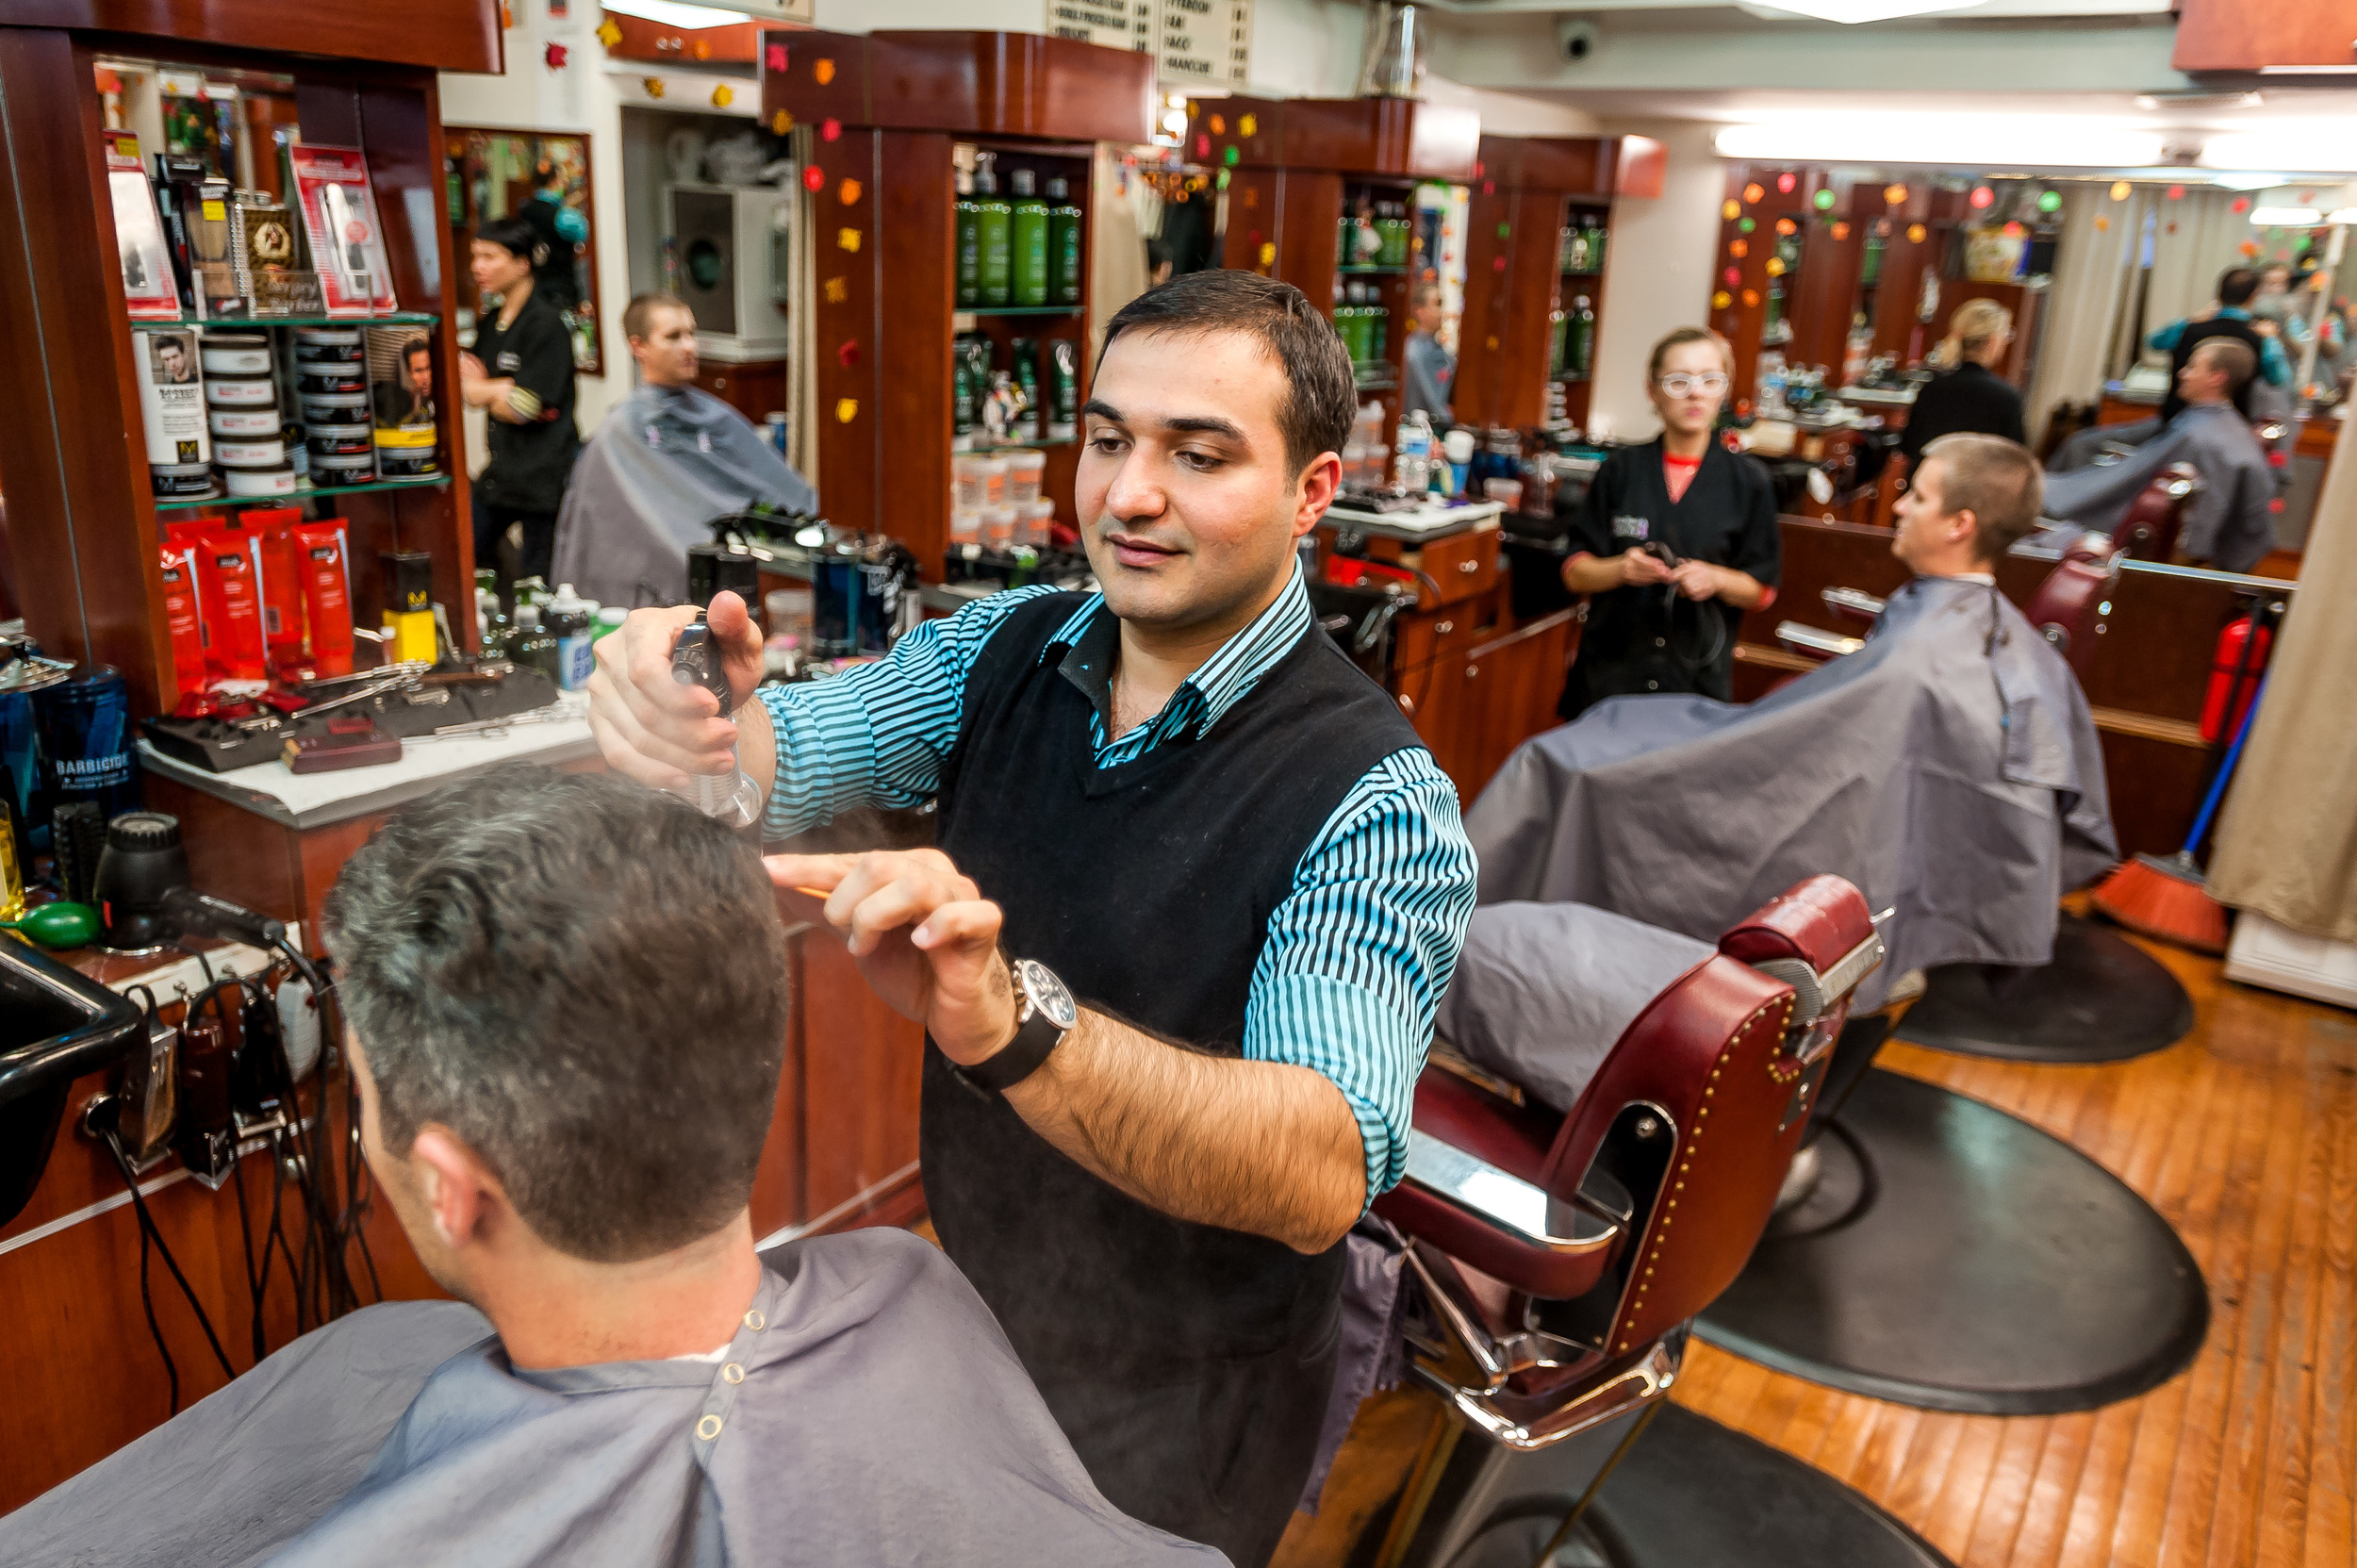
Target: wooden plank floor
x=2245, y=1136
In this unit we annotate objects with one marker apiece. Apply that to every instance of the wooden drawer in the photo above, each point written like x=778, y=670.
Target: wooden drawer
x=1464, y=565
x=1424, y=636
x=754, y=389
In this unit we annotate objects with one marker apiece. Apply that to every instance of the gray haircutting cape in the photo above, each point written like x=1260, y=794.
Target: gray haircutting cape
x=867, y=1410
x=1950, y=769
x=664, y=464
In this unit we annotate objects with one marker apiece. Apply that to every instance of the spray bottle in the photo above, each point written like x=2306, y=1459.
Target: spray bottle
x=731, y=799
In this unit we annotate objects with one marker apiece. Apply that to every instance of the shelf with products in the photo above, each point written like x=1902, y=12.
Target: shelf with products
x=902, y=233
x=1539, y=232
x=156, y=240
x=1371, y=272
x=308, y=493
x=398, y=318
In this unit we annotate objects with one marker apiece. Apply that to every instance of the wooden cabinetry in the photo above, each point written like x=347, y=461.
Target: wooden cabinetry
x=84, y=528
x=1529, y=190
x=883, y=230
x=755, y=389
x=2245, y=35
x=1299, y=165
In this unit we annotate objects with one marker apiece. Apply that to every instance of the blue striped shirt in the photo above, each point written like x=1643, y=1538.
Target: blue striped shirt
x=1363, y=947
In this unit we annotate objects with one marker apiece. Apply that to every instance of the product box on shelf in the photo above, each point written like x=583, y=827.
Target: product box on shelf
x=148, y=286
x=401, y=400
x=339, y=215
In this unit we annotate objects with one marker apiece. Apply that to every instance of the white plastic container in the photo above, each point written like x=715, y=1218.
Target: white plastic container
x=994, y=482
x=1024, y=469
x=265, y=453
x=999, y=525
x=244, y=391
x=966, y=484
x=966, y=526
x=1032, y=525
x=241, y=353
x=244, y=425
x=260, y=482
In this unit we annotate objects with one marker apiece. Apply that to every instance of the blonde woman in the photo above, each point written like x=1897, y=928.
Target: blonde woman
x=1970, y=396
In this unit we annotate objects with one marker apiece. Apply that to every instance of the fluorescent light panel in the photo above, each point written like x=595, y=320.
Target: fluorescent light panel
x=1969, y=141
x=2316, y=146
x=1854, y=12
x=671, y=14
x=2285, y=217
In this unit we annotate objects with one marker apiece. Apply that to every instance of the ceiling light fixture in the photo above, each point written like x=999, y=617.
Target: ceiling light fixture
x=2285, y=216
x=671, y=14
x=1851, y=12
x=2311, y=146
x=1962, y=141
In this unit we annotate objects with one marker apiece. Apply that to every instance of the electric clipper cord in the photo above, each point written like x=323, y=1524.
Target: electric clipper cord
x=730, y=797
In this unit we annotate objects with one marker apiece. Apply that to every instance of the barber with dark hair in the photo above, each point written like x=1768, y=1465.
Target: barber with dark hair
x=2228, y=318
x=1198, y=892
x=520, y=373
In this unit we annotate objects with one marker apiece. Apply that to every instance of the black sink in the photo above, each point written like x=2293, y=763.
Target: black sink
x=55, y=1026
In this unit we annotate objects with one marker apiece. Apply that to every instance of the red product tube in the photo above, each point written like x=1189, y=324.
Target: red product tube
x=281, y=584
x=182, y=618
x=323, y=559
x=229, y=576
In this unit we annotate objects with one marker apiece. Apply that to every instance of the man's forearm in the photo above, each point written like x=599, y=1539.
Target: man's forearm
x=1260, y=1147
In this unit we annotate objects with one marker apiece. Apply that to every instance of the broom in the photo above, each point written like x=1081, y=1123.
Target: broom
x=2167, y=897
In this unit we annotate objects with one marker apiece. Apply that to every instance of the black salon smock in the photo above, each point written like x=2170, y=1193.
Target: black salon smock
x=1637, y=640
x=530, y=462
x=1970, y=400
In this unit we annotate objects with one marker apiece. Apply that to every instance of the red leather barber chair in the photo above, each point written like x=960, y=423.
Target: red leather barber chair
x=2147, y=531
x=2068, y=608
x=1559, y=1258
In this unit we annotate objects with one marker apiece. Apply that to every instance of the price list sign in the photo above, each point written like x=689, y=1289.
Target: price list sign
x=1205, y=41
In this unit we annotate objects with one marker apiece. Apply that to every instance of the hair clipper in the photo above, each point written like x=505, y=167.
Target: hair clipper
x=730, y=797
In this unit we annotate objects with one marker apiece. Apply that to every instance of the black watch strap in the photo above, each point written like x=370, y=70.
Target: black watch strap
x=1033, y=1040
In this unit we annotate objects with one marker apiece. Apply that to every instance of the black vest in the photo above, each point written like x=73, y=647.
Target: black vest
x=2192, y=339
x=1148, y=887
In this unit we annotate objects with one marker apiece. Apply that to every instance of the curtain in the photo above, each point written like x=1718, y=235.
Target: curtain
x=2287, y=844
x=2092, y=273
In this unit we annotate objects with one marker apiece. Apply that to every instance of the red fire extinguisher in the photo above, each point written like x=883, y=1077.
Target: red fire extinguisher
x=2234, y=671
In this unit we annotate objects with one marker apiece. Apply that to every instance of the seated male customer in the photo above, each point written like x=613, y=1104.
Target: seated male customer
x=2230, y=522
x=567, y=1007
x=668, y=460
x=1950, y=768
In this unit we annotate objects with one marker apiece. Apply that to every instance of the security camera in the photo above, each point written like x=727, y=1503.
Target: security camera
x=1575, y=38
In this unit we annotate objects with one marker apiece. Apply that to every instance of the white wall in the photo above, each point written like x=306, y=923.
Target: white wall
x=1657, y=271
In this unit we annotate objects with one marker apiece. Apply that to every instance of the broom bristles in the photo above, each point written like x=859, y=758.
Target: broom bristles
x=2158, y=898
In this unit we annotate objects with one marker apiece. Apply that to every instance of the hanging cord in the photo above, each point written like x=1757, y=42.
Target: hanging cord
x=148, y=1234
x=1705, y=612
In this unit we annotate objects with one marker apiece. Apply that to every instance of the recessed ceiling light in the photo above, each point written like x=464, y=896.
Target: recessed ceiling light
x=1854, y=11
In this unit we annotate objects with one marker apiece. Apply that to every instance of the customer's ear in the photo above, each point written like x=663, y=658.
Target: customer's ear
x=459, y=1191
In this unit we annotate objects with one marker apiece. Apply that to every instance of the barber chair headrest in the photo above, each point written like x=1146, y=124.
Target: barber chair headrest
x=2068, y=603
x=2147, y=531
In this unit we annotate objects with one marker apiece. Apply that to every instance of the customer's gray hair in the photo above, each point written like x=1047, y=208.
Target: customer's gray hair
x=585, y=981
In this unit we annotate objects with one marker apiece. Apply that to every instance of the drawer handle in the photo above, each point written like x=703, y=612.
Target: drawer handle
x=1472, y=670
x=1445, y=628
x=1469, y=568
x=720, y=384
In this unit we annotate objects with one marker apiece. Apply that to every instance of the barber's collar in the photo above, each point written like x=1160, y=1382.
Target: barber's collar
x=1986, y=579
x=1088, y=644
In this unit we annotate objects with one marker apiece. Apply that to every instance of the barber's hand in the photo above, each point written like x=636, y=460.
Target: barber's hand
x=924, y=936
x=1699, y=579
x=648, y=726
x=471, y=368
x=1642, y=568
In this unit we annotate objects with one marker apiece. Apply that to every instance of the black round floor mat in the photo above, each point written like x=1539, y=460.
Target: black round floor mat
x=2099, y=998
x=1692, y=1493
x=1955, y=1258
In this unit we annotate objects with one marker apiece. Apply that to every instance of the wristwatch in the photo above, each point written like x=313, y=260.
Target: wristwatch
x=1044, y=1014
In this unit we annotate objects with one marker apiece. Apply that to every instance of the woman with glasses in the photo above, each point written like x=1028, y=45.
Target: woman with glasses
x=1673, y=541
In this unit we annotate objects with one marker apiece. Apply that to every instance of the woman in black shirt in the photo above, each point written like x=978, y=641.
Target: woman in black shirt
x=1971, y=398
x=520, y=373
x=1654, y=626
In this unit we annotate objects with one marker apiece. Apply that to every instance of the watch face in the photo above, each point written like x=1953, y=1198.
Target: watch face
x=1048, y=993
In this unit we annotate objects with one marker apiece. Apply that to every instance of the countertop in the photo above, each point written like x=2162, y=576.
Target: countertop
x=1428, y=522
x=559, y=732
